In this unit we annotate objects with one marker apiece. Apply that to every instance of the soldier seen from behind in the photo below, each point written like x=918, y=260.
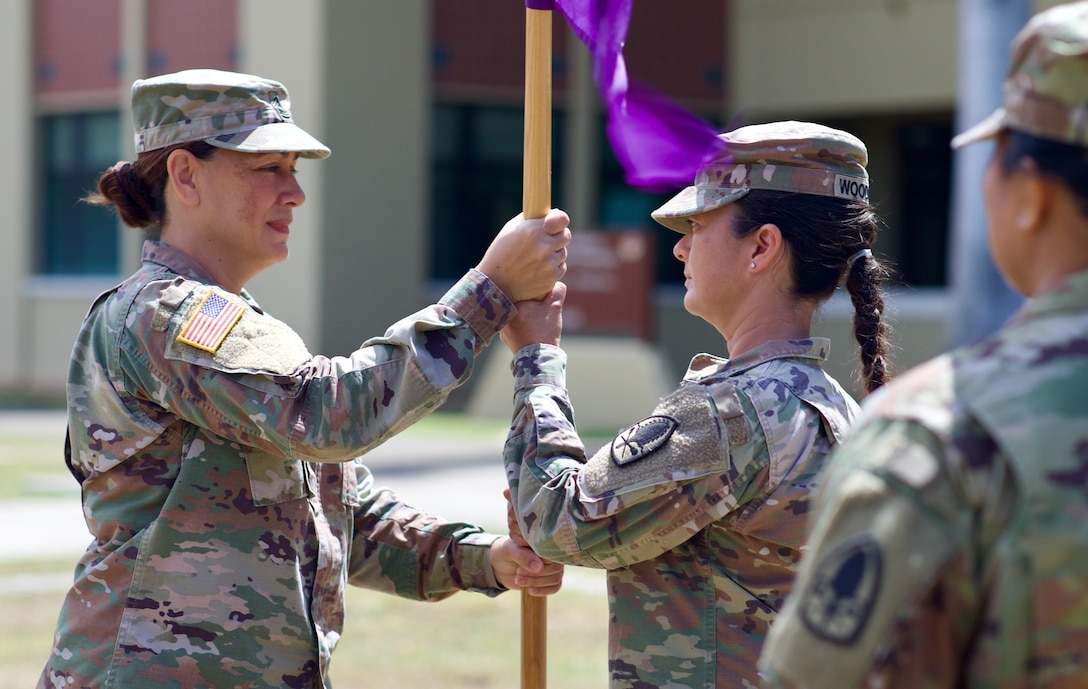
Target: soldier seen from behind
x=950, y=541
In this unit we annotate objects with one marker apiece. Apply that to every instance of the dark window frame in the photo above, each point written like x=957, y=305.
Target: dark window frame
x=75, y=238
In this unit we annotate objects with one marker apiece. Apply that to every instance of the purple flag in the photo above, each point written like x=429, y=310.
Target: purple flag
x=659, y=144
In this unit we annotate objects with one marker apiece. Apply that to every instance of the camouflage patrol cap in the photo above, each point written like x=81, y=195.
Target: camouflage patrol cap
x=240, y=112
x=1046, y=88
x=801, y=157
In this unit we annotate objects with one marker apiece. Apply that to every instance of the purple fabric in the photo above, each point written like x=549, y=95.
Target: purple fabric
x=540, y=4
x=659, y=144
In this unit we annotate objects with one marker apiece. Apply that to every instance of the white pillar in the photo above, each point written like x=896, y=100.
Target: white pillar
x=284, y=40
x=16, y=68
x=133, y=67
x=982, y=299
x=581, y=163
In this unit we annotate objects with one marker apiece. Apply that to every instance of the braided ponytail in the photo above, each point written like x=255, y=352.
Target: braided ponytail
x=864, y=280
x=829, y=239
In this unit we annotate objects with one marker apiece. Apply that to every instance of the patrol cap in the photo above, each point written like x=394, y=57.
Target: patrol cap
x=1046, y=88
x=801, y=157
x=241, y=112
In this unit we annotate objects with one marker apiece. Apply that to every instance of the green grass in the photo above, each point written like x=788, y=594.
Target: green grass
x=468, y=641
x=33, y=466
x=17, y=399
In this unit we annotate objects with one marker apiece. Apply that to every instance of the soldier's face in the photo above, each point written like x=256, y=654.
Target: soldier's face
x=713, y=260
x=248, y=200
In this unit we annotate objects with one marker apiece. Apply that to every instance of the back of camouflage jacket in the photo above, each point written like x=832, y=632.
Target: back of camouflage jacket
x=950, y=547
x=698, y=511
x=220, y=482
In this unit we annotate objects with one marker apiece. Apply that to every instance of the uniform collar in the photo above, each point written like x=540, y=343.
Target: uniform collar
x=1072, y=295
x=174, y=259
x=816, y=349
x=177, y=261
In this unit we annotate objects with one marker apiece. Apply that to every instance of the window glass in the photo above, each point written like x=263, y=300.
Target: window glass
x=476, y=184
x=926, y=159
x=77, y=238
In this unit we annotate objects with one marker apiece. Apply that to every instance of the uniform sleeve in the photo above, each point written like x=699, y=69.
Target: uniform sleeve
x=649, y=490
x=886, y=593
x=401, y=550
x=260, y=386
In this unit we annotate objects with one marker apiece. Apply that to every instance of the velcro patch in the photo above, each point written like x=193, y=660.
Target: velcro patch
x=843, y=589
x=682, y=435
x=641, y=439
x=212, y=322
x=255, y=343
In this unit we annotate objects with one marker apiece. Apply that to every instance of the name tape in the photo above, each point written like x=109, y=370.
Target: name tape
x=851, y=188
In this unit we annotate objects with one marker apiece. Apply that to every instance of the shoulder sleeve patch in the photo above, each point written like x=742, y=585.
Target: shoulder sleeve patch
x=681, y=435
x=247, y=342
x=212, y=321
x=642, y=439
x=842, y=590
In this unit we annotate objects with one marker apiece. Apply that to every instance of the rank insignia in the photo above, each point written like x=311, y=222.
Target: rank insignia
x=642, y=439
x=836, y=604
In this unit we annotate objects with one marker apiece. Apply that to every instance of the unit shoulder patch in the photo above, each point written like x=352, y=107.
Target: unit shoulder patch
x=682, y=436
x=843, y=589
x=642, y=439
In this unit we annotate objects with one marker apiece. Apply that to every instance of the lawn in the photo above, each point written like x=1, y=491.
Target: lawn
x=466, y=641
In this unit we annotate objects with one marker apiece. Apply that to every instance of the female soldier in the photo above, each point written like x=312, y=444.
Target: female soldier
x=949, y=546
x=697, y=511
x=216, y=454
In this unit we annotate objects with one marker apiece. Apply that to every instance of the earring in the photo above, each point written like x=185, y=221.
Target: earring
x=752, y=265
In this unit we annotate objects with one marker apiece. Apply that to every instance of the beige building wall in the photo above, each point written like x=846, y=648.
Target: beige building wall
x=377, y=198
x=39, y=317
x=282, y=40
x=844, y=56
x=15, y=146
x=358, y=77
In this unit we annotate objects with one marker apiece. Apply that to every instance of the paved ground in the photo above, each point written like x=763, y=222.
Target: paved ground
x=458, y=479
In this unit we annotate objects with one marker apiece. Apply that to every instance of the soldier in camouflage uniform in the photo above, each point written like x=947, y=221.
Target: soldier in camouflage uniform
x=217, y=455
x=698, y=510
x=950, y=546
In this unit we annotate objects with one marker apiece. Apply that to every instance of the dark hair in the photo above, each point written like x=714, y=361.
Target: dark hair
x=823, y=233
x=138, y=189
x=1066, y=162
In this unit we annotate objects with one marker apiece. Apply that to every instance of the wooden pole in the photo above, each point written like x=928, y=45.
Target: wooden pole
x=536, y=202
x=537, y=184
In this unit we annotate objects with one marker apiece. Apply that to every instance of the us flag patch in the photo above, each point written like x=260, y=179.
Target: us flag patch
x=210, y=324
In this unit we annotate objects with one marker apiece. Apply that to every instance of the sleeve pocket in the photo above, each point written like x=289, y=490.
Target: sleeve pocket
x=274, y=479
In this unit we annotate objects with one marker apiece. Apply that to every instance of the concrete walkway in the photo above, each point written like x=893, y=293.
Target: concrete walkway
x=457, y=478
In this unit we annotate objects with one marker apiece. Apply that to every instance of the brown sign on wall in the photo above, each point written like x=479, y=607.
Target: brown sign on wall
x=610, y=277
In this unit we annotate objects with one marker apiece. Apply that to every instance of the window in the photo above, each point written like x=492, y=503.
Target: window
x=926, y=160
x=76, y=238
x=477, y=154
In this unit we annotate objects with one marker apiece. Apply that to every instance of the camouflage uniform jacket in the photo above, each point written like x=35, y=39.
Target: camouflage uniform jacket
x=227, y=509
x=949, y=547
x=697, y=511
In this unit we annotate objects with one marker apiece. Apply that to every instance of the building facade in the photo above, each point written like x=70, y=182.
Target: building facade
x=421, y=102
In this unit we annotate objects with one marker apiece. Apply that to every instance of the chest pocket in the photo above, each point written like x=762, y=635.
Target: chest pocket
x=274, y=479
